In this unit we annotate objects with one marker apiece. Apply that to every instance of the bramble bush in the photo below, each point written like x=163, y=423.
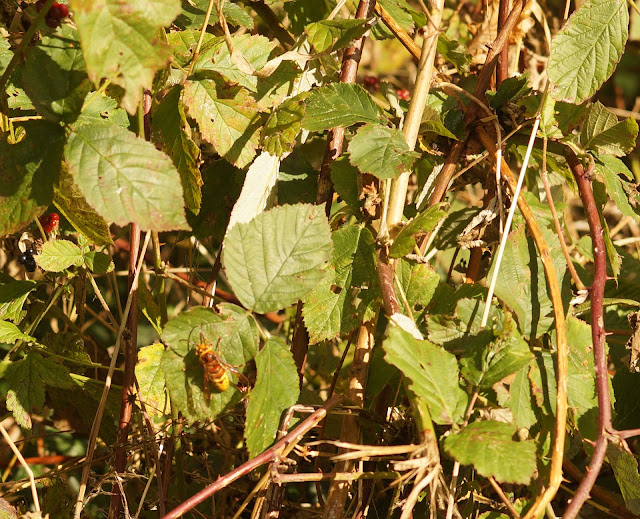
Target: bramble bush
x=319, y=258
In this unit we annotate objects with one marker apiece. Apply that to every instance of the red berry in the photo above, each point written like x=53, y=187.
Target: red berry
x=62, y=9
x=403, y=94
x=371, y=82
x=50, y=221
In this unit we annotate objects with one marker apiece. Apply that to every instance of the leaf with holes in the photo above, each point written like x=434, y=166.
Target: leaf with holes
x=489, y=446
x=278, y=257
x=228, y=117
x=125, y=178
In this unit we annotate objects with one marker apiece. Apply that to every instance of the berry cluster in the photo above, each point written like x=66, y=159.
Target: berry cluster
x=57, y=12
x=50, y=221
x=27, y=259
x=403, y=94
x=371, y=83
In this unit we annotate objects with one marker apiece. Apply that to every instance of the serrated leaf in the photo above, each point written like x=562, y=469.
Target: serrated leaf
x=227, y=116
x=283, y=126
x=585, y=51
x=278, y=257
x=12, y=296
x=423, y=223
x=27, y=379
x=433, y=373
x=72, y=204
x=120, y=42
x=339, y=104
x=58, y=58
x=99, y=108
x=28, y=171
x=609, y=168
x=215, y=56
x=57, y=255
x=331, y=35
x=582, y=397
x=381, y=151
x=171, y=132
x=490, y=448
x=150, y=377
x=10, y=333
x=194, y=11
x=520, y=399
x=486, y=365
x=237, y=334
x=339, y=304
x=418, y=281
x=604, y=134
x=276, y=389
x=625, y=470
x=125, y=178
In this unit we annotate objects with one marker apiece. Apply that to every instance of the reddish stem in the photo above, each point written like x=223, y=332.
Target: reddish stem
x=130, y=339
x=266, y=457
x=596, y=293
x=502, y=71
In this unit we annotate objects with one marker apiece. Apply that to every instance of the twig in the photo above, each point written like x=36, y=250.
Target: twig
x=398, y=32
x=25, y=466
x=203, y=31
x=442, y=181
x=514, y=513
x=107, y=385
x=556, y=221
x=555, y=476
x=267, y=456
x=596, y=294
x=502, y=70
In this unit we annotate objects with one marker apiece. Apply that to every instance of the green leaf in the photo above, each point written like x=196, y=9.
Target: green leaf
x=98, y=262
x=125, y=178
x=228, y=118
x=172, y=134
x=581, y=384
x=150, y=377
x=585, y=51
x=520, y=399
x=276, y=390
x=339, y=304
x=120, y=42
x=418, y=282
x=425, y=222
x=149, y=308
x=28, y=171
x=57, y=255
x=522, y=284
x=455, y=52
x=99, y=108
x=57, y=58
x=381, y=151
x=283, y=126
x=12, y=297
x=602, y=133
x=27, y=379
x=345, y=181
x=69, y=345
x=609, y=168
x=233, y=336
x=490, y=448
x=72, y=204
x=432, y=122
x=10, y=333
x=433, y=373
x=339, y=104
x=331, y=35
x=625, y=469
x=194, y=11
x=487, y=365
x=278, y=257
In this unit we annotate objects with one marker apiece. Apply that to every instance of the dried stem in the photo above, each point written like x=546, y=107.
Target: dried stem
x=266, y=457
x=358, y=374
x=555, y=476
x=596, y=294
x=203, y=31
x=514, y=513
x=95, y=427
x=502, y=71
x=398, y=32
x=25, y=466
